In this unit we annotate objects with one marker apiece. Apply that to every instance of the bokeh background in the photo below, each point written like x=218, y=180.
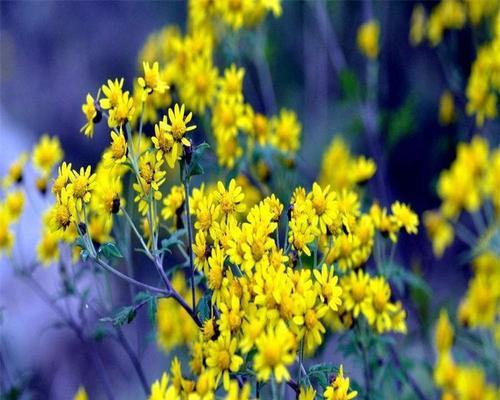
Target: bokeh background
x=53, y=53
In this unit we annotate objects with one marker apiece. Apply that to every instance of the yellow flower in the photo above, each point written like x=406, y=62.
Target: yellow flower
x=81, y=394
x=307, y=321
x=164, y=142
x=14, y=204
x=327, y=287
x=233, y=12
x=230, y=86
x=339, y=388
x=62, y=179
x=356, y=292
x=443, y=336
x=47, y=250
x=307, y=393
x=417, y=25
x=117, y=152
x=152, y=80
x=81, y=186
x=173, y=205
x=446, y=108
x=63, y=212
x=440, y=231
x=6, y=235
x=379, y=314
x=15, y=173
x=47, y=153
x=286, y=130
x=92, y=114
x=122, y=112
x=160, y=390
x=405, y=217
x=368, y=37
x=222, y=358
x=178, y=126
x=445, y=371
x=324, y=205
x=301, y=234
x=231, y=316
x=235, y=393
x=229, y=201
x=275, y=351
x=471, y=384
x=113, y=92
x=216, y=272
x=200, y=84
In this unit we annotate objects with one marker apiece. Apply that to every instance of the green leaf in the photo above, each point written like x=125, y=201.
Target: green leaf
x=321, y=373
x=80, y=242
x=145, y=298
x=172, y=240
x=110, y=251
x=194, y=167
x=152, y=310
x=124, y=315
x=203, y=306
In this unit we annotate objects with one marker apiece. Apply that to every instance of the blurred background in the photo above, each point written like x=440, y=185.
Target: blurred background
x=53, y=53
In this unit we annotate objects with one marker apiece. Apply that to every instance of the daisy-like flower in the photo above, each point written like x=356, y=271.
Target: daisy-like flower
x=16, y=171
x=339, y=388
x=229, y=201
x=113, y=92
x=81, y=186
x=307, y=320
x=122, y=112
x=117, y=152
x=327, y=287
x=164, y=142
x=275, y=351
x=222, y=358
x=178, y=125
x=62, y=179
x=230, y=86
x=92, y=115
x=379, y=314
x=323, y=202
x=161, y=390
x=63, y=212
x=200, y=84
x=405, y=217
x=152, y=81
x=14, y=204
x=47, y=153
x=356, y=292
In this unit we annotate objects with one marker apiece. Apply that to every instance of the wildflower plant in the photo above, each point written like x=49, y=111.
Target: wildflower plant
x=269, y=290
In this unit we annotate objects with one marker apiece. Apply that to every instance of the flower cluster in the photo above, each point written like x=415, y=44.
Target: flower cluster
x=469, y=186
x=186, y=63
x=483, y=84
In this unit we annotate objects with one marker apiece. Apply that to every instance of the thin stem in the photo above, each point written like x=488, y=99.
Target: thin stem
x=414, y=385
x=190, y=239
x=130, y=280
x=102, y=374
x=294, y=386
x=139, y=236
x=186, y=307
x=133, y=358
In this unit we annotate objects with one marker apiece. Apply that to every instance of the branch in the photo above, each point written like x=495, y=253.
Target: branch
x=130, y=280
